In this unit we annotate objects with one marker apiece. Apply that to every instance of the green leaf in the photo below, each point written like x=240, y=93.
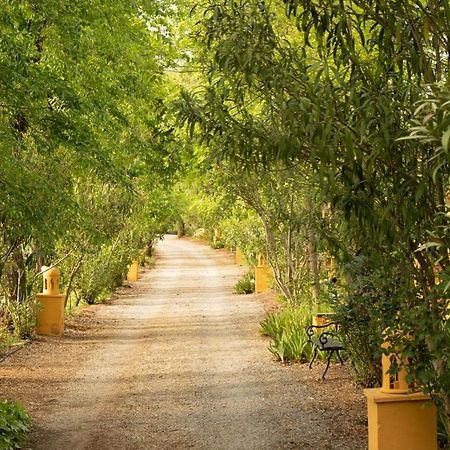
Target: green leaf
x=428, y=245
x=445, y=140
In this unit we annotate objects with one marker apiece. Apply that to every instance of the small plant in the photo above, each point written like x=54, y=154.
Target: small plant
x=149, y=262
x=246, y=285
x=6, y=339
x=200, y=233
x=218, y=244
x=15, y=423
x=287, y=330
x=22, y=317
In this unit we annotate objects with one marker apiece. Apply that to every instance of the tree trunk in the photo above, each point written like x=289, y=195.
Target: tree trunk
x=272, y=249
x=73, y=273
x=16, y=277
x=312, y=255
x=181, y=228
x=4, y=258
x=39, y=258
x=149, y=249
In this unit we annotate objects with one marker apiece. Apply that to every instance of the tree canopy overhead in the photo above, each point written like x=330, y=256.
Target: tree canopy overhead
x=86, y=142
x=356, y=94
x=323, y=125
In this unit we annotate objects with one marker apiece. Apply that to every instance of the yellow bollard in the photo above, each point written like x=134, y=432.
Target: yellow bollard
x=217, y=236
x=399, y=420
x=319, y=319
x=240, y=257
x=263, y=275
x=262, y=260
x=50, y=317
x=393, y=383
x=133, y=271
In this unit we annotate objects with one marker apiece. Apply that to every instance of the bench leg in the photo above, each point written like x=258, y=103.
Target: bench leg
x=314, y=357
x=339, y=356
x=328, y=363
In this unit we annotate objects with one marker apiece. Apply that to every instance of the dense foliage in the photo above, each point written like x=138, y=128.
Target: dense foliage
x=354, y=94
x=246, y=285
x=287, y=332
x=87, y=152
x=324, y=140
x=15, y=423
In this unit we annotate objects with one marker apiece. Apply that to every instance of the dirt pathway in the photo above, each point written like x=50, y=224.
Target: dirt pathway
x=177, y=362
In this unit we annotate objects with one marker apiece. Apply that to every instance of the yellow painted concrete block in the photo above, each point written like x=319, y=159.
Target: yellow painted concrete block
x=401, y=421
x=50, y=317
x=133, y=271
x=263, y=279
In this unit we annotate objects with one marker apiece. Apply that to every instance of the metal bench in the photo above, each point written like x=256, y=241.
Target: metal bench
x=325, y=341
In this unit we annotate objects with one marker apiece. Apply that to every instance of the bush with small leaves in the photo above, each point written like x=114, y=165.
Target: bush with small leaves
x=15, y=423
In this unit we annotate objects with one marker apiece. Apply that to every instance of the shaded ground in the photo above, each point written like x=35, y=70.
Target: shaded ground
x=176, y=361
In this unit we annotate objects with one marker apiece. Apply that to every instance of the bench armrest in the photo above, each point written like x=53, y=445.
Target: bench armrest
x=310, y=331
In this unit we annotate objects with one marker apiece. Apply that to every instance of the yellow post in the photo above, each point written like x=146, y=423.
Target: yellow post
x=240, y=257
x=319, y=319
x=399, y=419
x=217, y=236
x=133, y=271
x=50, y=317
x=263, y=275
x=393, y=383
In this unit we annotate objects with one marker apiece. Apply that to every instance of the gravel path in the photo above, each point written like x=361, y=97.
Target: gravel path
x=176, y=362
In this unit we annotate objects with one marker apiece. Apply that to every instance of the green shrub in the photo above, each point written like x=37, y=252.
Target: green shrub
x=149, y=262
x=6, y=339
x=15, y=423
x=218, y=244
x=200, y=233
x=246, y=285
x=105, y=271
x=361, y=312
x=287, y=329
x=21, y=317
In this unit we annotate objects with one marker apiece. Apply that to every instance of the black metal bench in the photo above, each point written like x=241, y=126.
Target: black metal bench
x=325, y=341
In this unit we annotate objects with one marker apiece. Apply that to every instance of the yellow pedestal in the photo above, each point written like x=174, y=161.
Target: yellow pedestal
x=401, y=421
x=320, y=319
x=133, y=271
x=263, y=278
x=50, y=317
x=240, y=257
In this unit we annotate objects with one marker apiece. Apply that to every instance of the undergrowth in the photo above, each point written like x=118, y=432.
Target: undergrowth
x=287, y=329
x=217, y=245
x=15, y=423
x=246, y=285
x=18, y=318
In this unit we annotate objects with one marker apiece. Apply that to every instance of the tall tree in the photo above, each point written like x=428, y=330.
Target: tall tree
x=339, y=96
x=86, y=141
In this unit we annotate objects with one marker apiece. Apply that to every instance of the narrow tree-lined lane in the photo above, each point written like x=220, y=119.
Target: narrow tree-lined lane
x=177, y=361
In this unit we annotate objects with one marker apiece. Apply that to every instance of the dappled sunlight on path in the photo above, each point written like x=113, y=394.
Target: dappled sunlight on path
x=175, y=361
